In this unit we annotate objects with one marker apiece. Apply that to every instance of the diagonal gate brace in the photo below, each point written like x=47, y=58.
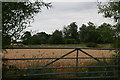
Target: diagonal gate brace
x=92, y=57
x=59, y=58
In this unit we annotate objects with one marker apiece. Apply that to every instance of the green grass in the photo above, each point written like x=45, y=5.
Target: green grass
x=66, y=45
x=58, y=45
x=20, y=72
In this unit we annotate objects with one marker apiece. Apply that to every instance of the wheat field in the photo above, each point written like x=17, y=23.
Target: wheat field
x=52, y=53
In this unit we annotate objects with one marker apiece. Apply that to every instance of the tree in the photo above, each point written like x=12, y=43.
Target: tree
x=82, y=33
x=71, y=33
x=116, y=42
x=34, y=40
x=26, y=37
x=17, y=16
x=106, y=33
x=39, y=38
x=43, y=37
x=88, y=33
x=112, y=10
x=56, y=37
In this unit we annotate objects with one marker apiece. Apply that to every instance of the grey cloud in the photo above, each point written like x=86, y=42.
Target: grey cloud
x=64, y=13
x=75, y=6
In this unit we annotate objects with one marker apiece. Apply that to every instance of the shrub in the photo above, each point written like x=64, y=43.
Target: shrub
x=92, y=45
x=70, y=41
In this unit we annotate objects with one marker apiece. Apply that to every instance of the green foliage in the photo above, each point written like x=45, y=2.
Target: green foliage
x=66, y=45
x=16, y=16
x=110, y=9
x=106, y=33
x=116, y=43
x=117, y=58
x=7, y=72
x=70, y=41
x=39, y=38
x=100, y=69
x=22, y=72
x=116, y=61
x=34, y=40
x=6, y=40
x=92, y=45
x=43, y=37
x=56, y=38
x=26, y=37
x=88, y=33
x=70, y=32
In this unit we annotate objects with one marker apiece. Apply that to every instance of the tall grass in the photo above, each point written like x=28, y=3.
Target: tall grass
x=21, y=72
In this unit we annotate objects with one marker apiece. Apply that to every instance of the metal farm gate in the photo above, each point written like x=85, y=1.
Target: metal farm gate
x=102, y=71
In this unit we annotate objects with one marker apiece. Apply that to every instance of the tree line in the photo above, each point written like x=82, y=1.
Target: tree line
x=72, y=34
x=19, y=15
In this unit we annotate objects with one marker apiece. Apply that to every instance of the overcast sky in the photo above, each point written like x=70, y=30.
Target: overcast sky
x=63, y=13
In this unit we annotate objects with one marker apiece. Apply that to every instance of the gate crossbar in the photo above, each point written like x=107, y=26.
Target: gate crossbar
x=76, y=49
x=63, y=57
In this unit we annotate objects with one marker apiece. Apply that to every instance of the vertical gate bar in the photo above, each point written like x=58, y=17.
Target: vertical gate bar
x=77, y=61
